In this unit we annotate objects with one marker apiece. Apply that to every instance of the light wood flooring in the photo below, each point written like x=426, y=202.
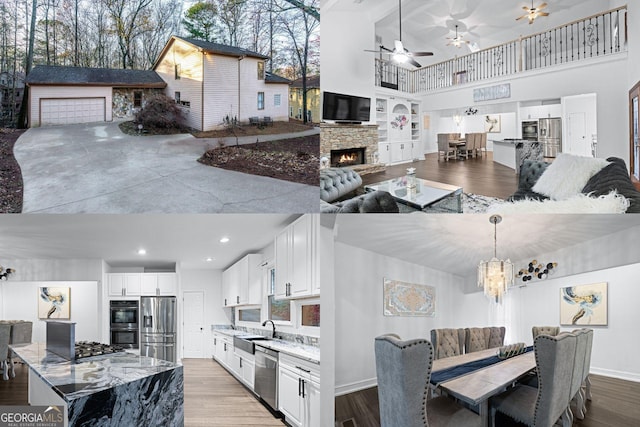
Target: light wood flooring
x=614, y=404
x=477, y=175
x=212, y=397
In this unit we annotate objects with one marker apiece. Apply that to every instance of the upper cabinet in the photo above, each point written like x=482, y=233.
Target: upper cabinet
x=124, y=284
x=296, y=249
x=136, y=284
x=159, y=284
x=241, y=283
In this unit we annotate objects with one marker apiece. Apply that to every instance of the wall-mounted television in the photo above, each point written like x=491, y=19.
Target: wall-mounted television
x=345, y=108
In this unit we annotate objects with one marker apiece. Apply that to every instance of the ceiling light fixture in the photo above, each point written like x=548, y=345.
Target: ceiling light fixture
x=224, y=240
x=537, y=270
x=209, y=259
x=142, y=252
x=533, y=12
x=5, y=273
x=471, y=111
x=495, y=276
x=457, y=40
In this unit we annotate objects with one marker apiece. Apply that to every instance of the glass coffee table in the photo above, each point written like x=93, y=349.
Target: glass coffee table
x=427, y=195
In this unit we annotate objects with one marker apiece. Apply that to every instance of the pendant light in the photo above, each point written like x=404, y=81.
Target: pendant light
x=495, y=276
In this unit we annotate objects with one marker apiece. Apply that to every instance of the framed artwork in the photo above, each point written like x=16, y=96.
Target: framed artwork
x=408, y=299
x=54, y=303
x=584, y=305
x=492, y=124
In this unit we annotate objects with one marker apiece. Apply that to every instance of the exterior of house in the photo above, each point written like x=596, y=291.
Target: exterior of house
x=210, y=81
x=213, y=81
x=67, y=95
x=313, y=99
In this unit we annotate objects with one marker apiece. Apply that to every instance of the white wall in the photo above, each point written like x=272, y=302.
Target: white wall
x=54, y=269
x=20, y=302
x=210, y=283
x=359, y=276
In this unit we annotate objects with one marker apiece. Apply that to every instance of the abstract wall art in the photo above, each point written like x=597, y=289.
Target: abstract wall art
x=492, y=124
x=584, y=305
x=408, y=299
x=54, y=303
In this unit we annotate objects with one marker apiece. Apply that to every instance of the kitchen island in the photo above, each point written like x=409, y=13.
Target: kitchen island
x=119, y=389
x=513, y=152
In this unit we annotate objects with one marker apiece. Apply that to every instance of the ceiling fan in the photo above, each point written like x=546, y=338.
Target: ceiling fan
x=533, y=12
x=399, y=53
x=457, y=40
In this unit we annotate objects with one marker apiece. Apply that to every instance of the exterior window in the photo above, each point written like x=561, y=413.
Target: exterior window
x=178, y=71
x=260, y=70
x=177, y=97
x=278, y=310
x=276, y=100
x=260, y=100
x=137, y=99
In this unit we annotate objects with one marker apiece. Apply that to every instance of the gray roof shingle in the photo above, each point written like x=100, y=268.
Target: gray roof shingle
x=222, y=49
x=81, y=76
x=274, y=78
x=312, y=82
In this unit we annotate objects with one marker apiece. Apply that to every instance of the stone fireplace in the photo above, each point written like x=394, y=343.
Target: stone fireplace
x=348, y=139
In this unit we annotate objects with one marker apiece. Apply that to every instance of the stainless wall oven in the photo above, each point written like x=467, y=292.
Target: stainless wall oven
x=530, y=130
x=124, y=318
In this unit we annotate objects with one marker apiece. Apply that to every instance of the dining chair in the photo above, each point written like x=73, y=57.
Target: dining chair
x=545, y=330
x=496, y=336
x=476, y=339
x=472, y=143
x=578, y=370
x=581, y=397
x=21, y=332
x=546, y=404
x=444, y=149
x=447, y=342
x=483, y=143
x=403, y=371
x=5, y=335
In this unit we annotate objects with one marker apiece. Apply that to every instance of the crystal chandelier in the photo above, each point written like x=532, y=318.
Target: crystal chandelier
x=495, y=276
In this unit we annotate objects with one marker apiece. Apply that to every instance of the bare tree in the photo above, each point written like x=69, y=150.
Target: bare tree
x=129, y=18
x=160, y=27
x=22, y=117
x=232, y=14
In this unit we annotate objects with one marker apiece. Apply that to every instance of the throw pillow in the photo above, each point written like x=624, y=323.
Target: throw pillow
x=567, y=176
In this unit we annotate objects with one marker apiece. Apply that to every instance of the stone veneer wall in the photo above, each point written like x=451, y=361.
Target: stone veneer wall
x=341, y=137
x=123, y=100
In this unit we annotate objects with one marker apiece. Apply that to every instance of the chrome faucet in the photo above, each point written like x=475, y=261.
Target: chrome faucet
x=273, y=325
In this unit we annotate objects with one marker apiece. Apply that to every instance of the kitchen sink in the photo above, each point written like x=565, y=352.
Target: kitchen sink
x=246, y=342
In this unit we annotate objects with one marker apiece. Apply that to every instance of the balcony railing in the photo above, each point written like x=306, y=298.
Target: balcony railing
x=598, y=35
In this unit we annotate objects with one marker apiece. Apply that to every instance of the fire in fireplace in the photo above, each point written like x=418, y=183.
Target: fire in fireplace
x=348, y=157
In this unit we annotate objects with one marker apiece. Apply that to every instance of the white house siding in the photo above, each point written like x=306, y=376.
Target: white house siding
x=190, y=83
x=280, y=113
x=38, y=93
x=220, y=89
x=249, y=93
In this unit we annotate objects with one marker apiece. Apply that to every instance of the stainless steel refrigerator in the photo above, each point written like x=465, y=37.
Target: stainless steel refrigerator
x=550, y=135
x=158, y=327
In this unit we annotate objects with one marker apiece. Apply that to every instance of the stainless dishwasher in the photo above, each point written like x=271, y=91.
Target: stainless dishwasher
x=266, y=376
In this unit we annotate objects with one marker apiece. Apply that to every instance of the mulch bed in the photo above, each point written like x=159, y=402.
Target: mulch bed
x=247, y=130
x=10, y=174
x=131, y=128
x=294, y=159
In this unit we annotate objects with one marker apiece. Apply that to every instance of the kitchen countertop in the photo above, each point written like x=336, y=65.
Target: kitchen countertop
x=76, y=379
x=306, y=352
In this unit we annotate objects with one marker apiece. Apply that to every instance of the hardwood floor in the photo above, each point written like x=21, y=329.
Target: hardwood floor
x=479, y=175
x=212, y=397
x=614, y=404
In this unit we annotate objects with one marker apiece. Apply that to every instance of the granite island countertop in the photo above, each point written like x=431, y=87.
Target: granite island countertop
x=78, y=378
x=303, y=351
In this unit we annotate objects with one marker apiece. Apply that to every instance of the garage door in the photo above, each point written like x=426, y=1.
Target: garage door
x=72, y=110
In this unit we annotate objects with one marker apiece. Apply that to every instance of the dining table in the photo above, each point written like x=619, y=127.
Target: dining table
x=479, y=384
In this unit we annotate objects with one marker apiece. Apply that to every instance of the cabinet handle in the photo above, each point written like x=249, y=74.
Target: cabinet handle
x=215, y=342
x=299, y=386
x=241, y=362
x=305, y=370
x=225, y=346
x=238, y=299
x=302, y=388
x=225, y=302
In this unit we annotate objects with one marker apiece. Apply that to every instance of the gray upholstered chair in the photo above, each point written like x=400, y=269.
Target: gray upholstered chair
x=404, y=370
x=476, y=339
x=21, y=332
x=483, y=143
x=545, y=330
x=447, y=342
x=496, y=336
x=444, y=149
x=544, y=405
x=581, y=397
x=578, y=370
x=5, y=334
x=473, y=142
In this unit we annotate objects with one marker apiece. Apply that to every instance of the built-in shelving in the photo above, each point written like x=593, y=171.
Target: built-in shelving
x=381, y=119
x=415, y=122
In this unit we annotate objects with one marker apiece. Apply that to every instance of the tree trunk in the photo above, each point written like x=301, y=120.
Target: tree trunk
x=22, y=117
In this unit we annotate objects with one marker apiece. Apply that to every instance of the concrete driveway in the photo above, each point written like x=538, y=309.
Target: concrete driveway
x=96, y=168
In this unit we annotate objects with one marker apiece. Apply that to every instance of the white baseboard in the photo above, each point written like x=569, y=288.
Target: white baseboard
x=357, y=386
x=616, y=374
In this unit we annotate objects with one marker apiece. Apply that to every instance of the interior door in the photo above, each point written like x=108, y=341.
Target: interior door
x=634, y=137
x=578, y=142
x=193, y=322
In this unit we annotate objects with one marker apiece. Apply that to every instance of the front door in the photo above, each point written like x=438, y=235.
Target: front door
x=193, y=318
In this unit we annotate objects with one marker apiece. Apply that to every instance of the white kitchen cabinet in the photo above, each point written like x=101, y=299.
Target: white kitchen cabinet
x=242, y=282
x=417, y=152
x=159, y=284
x=124, y=284
x=244, y=366
x=401, y=121
x=299, y=391
x=384, y=153
x=297, y=259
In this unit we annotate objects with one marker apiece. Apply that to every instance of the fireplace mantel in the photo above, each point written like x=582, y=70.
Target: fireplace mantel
x=346, y=136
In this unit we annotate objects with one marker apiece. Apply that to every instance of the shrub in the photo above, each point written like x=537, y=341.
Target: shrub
x=161, y=112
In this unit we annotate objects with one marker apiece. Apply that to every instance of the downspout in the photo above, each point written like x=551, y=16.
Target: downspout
x=240, y=58
x=202, y=94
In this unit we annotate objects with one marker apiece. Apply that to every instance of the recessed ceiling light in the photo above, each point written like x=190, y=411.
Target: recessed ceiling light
x=142, y=252
x=209, y=259
x=224, y=240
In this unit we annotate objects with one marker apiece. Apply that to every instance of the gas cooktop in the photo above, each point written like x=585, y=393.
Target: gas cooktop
x=92, y=348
